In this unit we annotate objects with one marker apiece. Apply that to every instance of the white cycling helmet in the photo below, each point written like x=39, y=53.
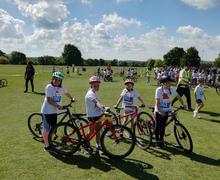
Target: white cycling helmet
x=129, y=81
x=94, y=79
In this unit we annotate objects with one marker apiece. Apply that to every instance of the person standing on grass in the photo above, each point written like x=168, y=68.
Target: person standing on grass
x=29, y=76
x=94, y=111
x=163, y=103
x=199, y=96
x=183, y=86
x=52, y=104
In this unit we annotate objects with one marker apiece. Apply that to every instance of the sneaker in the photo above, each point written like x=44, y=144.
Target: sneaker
x=198, y=116
x=99, y=149
x=48, y=149
x=194, y=114
x=87, y=151
x=158, y=144
x=163, y=144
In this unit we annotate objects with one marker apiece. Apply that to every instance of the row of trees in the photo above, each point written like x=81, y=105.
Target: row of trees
x=72, y=55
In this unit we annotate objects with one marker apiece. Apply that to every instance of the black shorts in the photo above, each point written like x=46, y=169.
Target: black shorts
x=49, y=121
x=199, y=101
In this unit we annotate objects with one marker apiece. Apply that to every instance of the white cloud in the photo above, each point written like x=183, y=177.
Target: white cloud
x=202, y=4
x=190, y=31
x=10, y=26
x=45, y=14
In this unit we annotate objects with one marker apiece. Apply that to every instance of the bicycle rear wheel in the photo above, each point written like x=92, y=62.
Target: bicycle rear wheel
x=117, y=141
x=143, y=134
x=183, y=138
x=35, y=124
x=4, y=82
x=218, y=90
x=144, y=129
x=64, y=139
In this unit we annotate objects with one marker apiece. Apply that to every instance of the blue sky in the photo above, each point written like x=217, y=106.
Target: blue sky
x=109, y=29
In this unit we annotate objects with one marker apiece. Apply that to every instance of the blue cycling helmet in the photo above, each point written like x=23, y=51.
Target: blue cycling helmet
x=58, y=75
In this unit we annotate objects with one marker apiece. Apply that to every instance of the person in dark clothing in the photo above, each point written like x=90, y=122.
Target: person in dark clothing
x=29, y=76
x=183, y=86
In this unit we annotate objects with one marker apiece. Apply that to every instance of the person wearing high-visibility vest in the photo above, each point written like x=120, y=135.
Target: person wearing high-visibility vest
x=183, y=86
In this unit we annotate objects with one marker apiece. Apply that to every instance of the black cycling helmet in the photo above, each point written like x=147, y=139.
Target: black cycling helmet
x=165, y=79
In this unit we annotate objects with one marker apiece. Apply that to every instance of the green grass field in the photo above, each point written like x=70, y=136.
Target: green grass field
x=22, y=157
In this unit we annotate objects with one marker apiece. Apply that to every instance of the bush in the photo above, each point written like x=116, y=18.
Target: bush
x=4, y=60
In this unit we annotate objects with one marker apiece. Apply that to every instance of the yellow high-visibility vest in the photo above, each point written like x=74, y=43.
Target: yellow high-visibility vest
x=184, y=75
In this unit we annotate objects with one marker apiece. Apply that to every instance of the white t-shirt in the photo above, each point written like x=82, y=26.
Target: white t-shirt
x=91, y=109
x=55, y=93
x=129, y=98
x=199, y=91
x=165, y=98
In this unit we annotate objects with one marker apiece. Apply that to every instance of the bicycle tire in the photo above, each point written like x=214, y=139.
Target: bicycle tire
x=218, y=90
x=61, y=142
x=142, y=130
x=35, y=124
x=124, y=136
x=4, y=82
x=181, y=133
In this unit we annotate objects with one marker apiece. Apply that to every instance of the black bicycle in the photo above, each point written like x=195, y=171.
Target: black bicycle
x=35, y=120
x=3, y=83
x=181, y=134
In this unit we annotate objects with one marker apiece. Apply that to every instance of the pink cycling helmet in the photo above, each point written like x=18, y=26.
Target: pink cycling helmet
x=94, y=79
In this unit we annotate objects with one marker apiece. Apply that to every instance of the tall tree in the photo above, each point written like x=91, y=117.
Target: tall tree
x=2, y=53
x=173, y=57
x=216, y=63
x=18, y=58
x=191, y=58
x=72, y=55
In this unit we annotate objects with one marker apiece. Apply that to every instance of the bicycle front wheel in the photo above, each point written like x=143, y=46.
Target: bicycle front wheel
x=117, y=141
x=65, y=139
x=183, y=138
x=35, y=124
x=78, y=121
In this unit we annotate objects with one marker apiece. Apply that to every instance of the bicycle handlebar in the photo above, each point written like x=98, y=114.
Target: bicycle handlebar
x=69, y=105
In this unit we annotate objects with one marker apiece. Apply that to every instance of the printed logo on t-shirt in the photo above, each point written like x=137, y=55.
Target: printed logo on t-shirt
x=56, y=98
x=128, y=100
x=165, y=96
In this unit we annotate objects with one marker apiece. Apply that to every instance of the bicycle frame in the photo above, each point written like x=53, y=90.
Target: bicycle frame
x=88, y=137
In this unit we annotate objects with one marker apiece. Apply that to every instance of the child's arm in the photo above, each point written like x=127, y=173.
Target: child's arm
x=69, y=96
x=119, y=101
x=141, y=100
x=53, y=103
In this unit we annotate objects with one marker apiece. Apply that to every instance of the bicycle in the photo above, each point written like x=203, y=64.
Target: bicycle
x=35, y=120
x=117, y=141
x=181, y=133
x=3, y=83
x=139, y=122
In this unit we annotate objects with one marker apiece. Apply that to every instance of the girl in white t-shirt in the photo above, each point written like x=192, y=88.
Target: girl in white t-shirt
x=128, y=97
x=94, y=110
x=163, y=102
x=52, y=103
x=199, y=96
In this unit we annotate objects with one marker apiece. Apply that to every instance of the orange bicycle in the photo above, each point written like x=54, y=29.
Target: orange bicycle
x=117, y=141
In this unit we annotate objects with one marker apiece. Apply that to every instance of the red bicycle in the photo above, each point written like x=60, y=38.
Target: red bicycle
x=139, y=123
x=117, y=141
